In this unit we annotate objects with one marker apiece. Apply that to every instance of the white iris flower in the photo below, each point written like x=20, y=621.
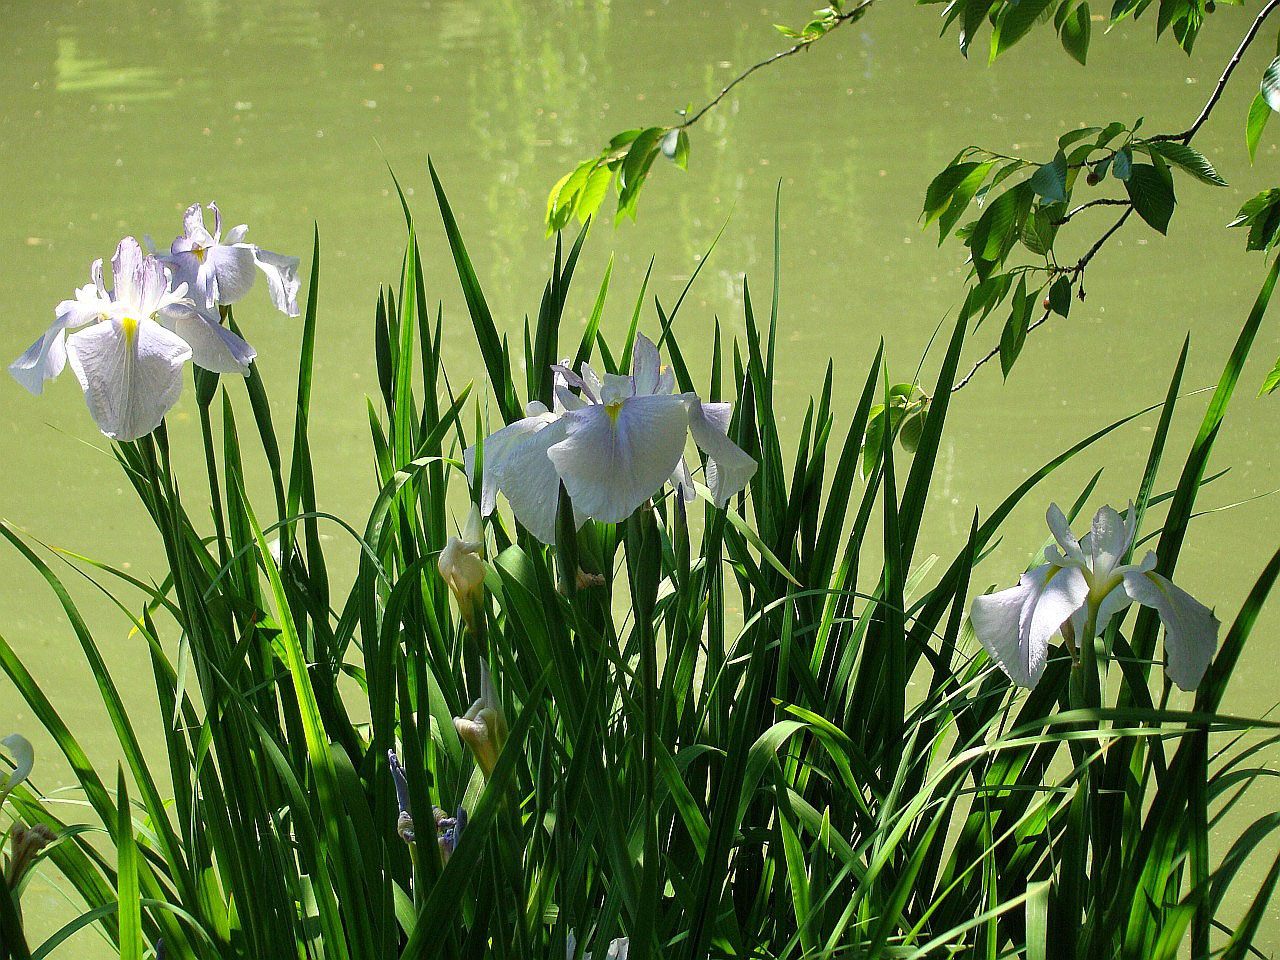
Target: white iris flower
x=137, y=336
x=222, y=270
x=613, y=444
x=1085, y=583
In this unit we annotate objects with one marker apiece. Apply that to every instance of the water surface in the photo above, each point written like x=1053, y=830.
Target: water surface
x=117, y=115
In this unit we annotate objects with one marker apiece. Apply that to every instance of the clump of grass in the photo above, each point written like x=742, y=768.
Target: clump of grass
x=695, y=784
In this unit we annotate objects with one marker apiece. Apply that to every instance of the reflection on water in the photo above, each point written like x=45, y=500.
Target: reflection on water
x=104, y=79
x=118, y=115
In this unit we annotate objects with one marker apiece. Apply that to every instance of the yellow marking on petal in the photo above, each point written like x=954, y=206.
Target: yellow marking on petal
x=613, y=409
x=130, y=327
x=199, y=253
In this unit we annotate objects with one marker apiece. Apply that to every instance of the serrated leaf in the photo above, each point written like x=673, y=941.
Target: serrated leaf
x=940, y=190
x=1259, y=114
x=1015, y=328
x=1074, y=34
x=1271, y=84
x=1189, y=159
x=1075, y=136
x=1123, y=163
x=992, y=232
x=1014, y=22
x=1060, y=296
x=1151, y=194
x=593, y=192
x=1050, y=180
x=961, y=197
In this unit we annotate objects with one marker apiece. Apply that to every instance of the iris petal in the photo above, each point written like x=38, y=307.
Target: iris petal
x=1190, y=628
x=516, y=462
x=232, y=272
x=1109, y=540
x=213, y=346
x=282, y=279
x=615, y=457
x=130, y=379
x=729, y=467
x=1015, y=625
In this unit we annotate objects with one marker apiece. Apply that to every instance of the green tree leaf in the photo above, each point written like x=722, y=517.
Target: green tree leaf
x=1014, y=22
x=1074, y=33
x=1015, y=328
x=1060, y=296
x=1050, y=180
x=1259, y=114
x=1271, y=84
x=1123, y=163
x=1189, y=159
x=1151, y=194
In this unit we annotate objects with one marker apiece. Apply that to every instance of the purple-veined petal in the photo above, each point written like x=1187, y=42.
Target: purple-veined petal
x=193, y=229
x=729, y=467
x=613, y=458
x=231, y=271
x=616, y=388
x=127, y=272
x=1190, y=628
x=282, y=279
x=592, y=380
x=131, y=378
x=217, y=221
x=213, y=346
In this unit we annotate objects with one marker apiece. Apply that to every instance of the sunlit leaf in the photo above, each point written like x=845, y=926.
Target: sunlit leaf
x=1152, y=195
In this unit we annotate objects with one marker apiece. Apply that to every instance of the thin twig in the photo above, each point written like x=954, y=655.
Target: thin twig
x=845, y=17
x=1077, y=270
x=1190, y=132
x=1106, y=202
x=993, y=353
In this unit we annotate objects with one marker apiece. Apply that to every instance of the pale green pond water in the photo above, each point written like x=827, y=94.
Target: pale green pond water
x=117, y=115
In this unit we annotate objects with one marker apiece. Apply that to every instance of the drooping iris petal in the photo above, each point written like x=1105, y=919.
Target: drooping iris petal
x=45, y=358
x=24, y=758
x=131, y=372
x=729, y=467
x=615, y=456
x=213, y=346
x=516, y=462
x=282, y=279
x=1014, y=625
x=1190, y=628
